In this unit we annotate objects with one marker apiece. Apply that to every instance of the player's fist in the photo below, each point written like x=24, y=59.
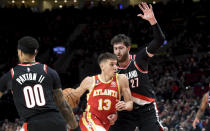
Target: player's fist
x=112, y=118
x=195, y=122
x=121, y=105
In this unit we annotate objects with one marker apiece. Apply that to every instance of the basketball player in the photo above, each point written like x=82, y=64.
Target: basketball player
x=144, y=114
x=37, y=91
x=204, y=104
x=103, y=100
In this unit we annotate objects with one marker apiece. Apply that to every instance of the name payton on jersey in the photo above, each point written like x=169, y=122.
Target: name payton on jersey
x=29, y=77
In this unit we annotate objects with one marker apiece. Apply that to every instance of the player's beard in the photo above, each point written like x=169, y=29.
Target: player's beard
x=123, y=58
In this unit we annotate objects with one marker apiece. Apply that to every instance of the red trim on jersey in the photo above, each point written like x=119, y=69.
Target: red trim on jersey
x=29, y=64
x=25, y=126
x=142, y=97
x=12, y=72
x=45, y=68
x=126, y=66
x=138, y=66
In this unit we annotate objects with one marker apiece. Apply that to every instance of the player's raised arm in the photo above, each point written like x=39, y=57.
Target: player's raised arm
x=127, y=104
x=158, y=35
x=201, y=110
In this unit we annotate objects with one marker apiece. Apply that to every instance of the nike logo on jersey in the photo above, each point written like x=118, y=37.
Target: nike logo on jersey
x=28, y=69
x=97, y=82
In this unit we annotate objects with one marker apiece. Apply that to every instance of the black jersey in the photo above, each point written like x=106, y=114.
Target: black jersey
x=208, y=99
x=32, y=85
x=141, y=89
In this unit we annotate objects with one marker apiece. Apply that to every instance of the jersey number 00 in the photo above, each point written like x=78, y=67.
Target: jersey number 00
x=34, y=96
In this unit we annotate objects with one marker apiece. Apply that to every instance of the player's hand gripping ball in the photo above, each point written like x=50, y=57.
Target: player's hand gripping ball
x=71, y=97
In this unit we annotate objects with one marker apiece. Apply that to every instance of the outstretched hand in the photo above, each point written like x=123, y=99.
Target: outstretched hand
x=148, y=13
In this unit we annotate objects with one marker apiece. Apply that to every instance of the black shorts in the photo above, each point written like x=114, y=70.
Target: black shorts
x=144, y=117
x=48, y=121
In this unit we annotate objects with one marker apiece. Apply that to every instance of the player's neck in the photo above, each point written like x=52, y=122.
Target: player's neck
x=105, y=78
x=125, y=62
x=28, y=60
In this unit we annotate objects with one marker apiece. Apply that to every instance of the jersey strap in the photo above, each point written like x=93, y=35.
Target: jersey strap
x=12, y=72
x=45, y=68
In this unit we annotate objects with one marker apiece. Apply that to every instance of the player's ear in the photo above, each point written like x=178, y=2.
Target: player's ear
x=102, y=66
x=21, y=53
x=129, y=47
x=36, y=52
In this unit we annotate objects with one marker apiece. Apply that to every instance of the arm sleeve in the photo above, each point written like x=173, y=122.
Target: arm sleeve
x=142, y=56
x=158, y=40
x=142, y=59
x=4, y=80
x=55, y=78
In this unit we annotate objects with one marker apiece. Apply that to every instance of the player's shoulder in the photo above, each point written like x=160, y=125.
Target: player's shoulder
x=49, y=69
x=88, y=80
x=122, y=77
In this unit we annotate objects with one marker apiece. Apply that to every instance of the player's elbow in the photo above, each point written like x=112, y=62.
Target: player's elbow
x=1, y=94
x=163, y=37
x=160, y=39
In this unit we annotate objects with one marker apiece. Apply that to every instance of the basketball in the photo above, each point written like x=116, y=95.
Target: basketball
x=71, y=96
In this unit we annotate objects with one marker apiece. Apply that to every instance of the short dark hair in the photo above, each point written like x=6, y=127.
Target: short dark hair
x=106, y=56
x=121, y=38
x=28, y=44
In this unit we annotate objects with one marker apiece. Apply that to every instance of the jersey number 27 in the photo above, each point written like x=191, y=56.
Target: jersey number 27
x=134, y=82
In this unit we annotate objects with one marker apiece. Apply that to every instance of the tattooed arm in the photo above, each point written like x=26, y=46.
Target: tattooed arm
x=59, y=99
x=201, y=110
x=64, y=108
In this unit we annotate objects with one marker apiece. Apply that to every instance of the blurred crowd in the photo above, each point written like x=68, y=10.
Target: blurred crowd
x=180, y=72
